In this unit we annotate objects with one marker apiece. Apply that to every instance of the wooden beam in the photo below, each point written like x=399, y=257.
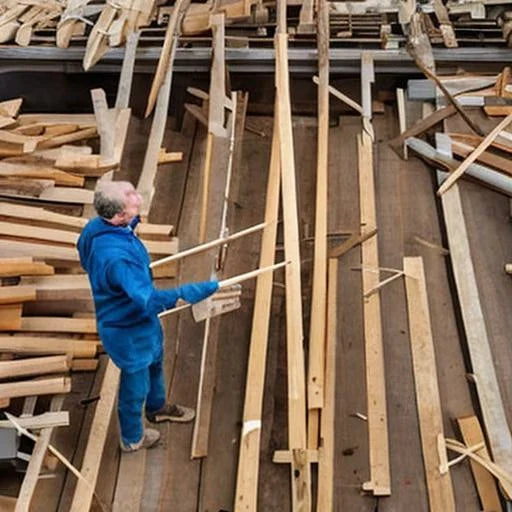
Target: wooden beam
x=246, y=495
x=498, y=162
x=315, y=382
x=455, y=175
x=485, y=483
x=428, y=401
x=300, y=469
x=49, y=386
x=34, y=366
x=82, y=498
x=325, y=499
x=47, y=345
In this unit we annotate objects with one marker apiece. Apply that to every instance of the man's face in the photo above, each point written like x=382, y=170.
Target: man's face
x=132, y=204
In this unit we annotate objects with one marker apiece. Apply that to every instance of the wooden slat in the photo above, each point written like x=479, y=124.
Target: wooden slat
x=14, y=249
x=44, y=420
x=246, y=496
x=49, y=386
x=300, y=469
x=47, y=345
x=428, y=401
x=498, y=162
x=485, y=483
x=34, y=366
x=18, y=211
x=82, y=498
x=33, y=171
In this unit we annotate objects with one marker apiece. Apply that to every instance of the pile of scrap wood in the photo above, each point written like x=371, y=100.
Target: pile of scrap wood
x=474, y=154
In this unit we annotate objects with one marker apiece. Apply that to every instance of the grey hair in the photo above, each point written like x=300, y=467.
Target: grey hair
x=109, y=198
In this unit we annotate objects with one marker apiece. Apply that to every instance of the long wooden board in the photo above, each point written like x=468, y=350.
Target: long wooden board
x=428, y=401
x=297, y=443
x=49, y=386
x=48, y=345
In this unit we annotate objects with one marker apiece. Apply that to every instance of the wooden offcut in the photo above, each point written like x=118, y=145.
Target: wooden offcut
x=47, y=386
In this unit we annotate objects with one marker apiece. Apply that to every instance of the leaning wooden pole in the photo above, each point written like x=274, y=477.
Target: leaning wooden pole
x=318, y=300
x=246, y=496
x=300, y=468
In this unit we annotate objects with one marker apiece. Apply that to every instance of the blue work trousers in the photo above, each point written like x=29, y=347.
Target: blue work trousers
x=138, y=392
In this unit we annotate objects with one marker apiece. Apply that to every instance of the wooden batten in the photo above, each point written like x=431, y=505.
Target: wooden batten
x=16, y=294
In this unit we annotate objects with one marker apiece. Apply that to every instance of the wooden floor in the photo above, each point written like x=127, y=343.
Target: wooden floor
x=165, y=478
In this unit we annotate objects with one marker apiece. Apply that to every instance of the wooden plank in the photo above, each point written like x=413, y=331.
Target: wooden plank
x=246, y=495
x=47, y=345
x=315, y=382
x=374, y=355
x=300, y=470
x=325, y=499
x=32, y=171
x=83, y=495
x=485, y=483
x=428, y=400
x=16, y=294
x=353, y=241
x=402, y=121
x=455, y=175
x=489, y=394
x=128, y=494
x=11, y=108
x=79, y=135
x=58, y=324
x=83, y=120
x=34, y=366
x=50, y=386
x=20, y=231
x=10, y=317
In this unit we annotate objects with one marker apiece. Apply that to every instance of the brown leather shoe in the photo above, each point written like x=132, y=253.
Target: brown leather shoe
x=171, y=412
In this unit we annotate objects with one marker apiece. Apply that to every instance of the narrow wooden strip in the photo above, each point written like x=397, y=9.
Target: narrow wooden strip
x=353, y=241
x=19, y=211
x=428, y=401
x=485, y=483
x=34, y=366
x=35, y=387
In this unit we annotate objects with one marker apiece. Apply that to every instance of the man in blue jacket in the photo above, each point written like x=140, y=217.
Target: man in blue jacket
x=127, y=306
